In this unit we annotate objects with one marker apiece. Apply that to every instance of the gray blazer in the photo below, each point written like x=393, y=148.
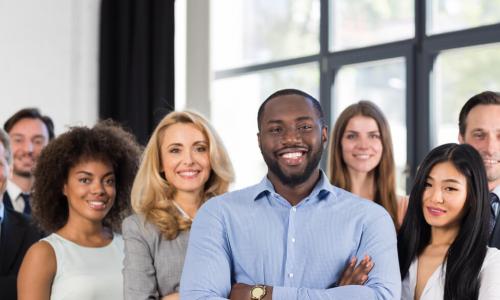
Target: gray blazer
x=152, y=265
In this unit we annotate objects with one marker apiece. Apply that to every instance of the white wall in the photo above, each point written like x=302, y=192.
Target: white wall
x=48, y=59
x=192, y=56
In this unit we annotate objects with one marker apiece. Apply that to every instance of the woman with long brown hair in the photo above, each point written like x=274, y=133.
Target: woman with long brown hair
x=361, y=158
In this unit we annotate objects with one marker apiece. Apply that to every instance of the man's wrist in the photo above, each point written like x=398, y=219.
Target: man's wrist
x=269, y=293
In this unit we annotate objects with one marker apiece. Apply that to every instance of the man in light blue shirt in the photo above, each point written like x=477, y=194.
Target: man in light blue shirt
x=290, y=236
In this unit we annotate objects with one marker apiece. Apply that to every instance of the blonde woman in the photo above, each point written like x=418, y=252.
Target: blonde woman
x=360, y=158
x=184, y=164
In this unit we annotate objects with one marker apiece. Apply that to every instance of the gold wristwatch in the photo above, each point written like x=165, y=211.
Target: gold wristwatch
x=258, y=292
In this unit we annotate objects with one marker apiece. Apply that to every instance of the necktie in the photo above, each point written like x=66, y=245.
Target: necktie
x=494, y=203
x=27, y=207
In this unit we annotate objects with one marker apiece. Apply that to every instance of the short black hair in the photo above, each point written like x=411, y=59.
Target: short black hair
x=30, y=113
x=285, y=92
x=484, y=98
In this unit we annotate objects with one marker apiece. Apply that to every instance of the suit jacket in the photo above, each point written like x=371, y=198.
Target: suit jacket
x=17, y=235
x=495, y=235
x=7, y=201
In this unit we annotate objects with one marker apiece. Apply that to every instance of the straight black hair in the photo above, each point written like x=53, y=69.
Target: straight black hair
x=466, y=254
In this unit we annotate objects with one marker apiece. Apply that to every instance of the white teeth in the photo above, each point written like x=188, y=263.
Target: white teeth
x=362, y=156
x=292, y=155
x=97, y=204
x=490, y=161
x=188, y=173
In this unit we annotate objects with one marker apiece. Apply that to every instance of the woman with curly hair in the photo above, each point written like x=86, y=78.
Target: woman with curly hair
x=81, y=194
x=183, y=165
x=361, y=160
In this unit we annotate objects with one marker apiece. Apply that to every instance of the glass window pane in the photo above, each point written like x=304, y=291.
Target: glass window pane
x=362, y=23
x=384, y=83
x=234, y=108
x=450, y=15
x=458, y=75
x=245, y=32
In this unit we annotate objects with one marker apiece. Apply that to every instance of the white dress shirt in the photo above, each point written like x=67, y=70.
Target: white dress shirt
x=434, y=288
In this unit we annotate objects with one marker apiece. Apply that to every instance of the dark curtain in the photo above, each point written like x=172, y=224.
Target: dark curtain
x=136, y=63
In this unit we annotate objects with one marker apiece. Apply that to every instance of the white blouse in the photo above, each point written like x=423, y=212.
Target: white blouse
x=434, y=288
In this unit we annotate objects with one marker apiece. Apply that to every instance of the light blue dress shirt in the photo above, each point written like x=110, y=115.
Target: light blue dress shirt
x=255, y=236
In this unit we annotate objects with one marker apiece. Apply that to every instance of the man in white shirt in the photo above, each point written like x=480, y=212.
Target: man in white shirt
x=479, y=125
x=29, y=133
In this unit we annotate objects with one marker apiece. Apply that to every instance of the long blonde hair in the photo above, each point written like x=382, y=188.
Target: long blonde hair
x=384, y=173
x=152, y=195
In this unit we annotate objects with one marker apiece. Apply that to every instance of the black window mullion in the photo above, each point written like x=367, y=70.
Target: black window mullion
x=418, y=103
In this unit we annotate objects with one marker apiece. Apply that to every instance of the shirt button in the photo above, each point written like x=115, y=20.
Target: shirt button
x=293, y=240
x=294, y=208
x=290, y=275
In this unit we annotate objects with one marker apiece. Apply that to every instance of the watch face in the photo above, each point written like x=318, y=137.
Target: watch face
x=258, y=292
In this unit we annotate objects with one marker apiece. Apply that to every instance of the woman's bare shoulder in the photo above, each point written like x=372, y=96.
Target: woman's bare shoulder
x=402, y=208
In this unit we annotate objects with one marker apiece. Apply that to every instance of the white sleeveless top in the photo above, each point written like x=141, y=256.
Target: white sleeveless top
x=87, y=273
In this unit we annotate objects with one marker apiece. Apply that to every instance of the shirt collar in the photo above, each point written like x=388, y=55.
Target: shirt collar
x=320, y=190
x=183, y=212
x=13, y=189
x=496, y=191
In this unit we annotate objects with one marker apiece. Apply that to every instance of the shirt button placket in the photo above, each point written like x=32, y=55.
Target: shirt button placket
x=290, y=262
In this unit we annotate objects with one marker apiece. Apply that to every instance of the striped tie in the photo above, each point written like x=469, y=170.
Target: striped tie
x=494, y=203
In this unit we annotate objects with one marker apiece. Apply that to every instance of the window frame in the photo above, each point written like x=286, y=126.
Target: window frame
x=419, y=53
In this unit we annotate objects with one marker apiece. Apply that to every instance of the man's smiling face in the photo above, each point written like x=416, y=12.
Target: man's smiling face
x=483, y=133
x=291, y=138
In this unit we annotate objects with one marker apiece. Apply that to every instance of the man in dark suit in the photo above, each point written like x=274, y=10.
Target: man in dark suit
x=17, y=233
x=479, y=125
x=29, y=133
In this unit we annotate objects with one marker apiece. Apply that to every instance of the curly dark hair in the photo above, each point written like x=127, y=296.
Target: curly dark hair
x=106, y=141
